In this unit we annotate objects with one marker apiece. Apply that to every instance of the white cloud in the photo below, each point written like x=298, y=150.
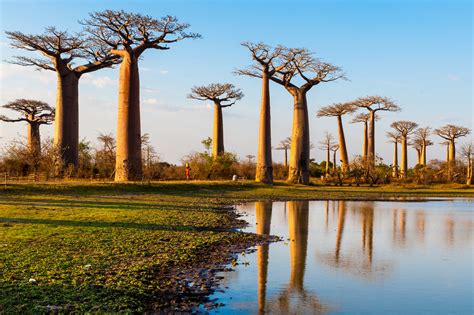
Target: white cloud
x=150, y=101
x=102, y=82
x=453, y=77
x=164, y=72
x=150, y=89
x=16, y=71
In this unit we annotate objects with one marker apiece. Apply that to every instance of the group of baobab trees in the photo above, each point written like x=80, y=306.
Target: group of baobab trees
x=111, y=37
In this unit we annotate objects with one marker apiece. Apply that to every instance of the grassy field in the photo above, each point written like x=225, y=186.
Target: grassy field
x=136, y=247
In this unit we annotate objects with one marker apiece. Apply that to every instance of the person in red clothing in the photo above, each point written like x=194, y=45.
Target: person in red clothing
x=188, y=170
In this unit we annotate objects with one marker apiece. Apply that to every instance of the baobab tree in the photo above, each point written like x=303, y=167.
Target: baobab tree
x=267, y=63
x=467, y=153
x=364, y=118
x=404, y=129
x=451, y=133
x=394, y=137
x=337, y=110
x=300, y=64
x=326, y=144
x=128, y=36
x=34, y=113
x=417, y=145
x=334, y=149
x=285, y=145
x=421, y=139
x=222, y=95
x=70, y=56
x=374, y=104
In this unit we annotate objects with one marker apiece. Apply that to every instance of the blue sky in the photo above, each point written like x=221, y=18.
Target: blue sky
x=419, y=53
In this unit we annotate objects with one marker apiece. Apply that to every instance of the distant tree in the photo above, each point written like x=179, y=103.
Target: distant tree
x=374, y=104
x=395, y=138
x=128, y=36
x=105, y=157
x=334, y=149
x=250, y=157
x=421, y=139
x=326, y=144
x=207, y=143
x=404, y=129
x=337, y=110
x=34, y=113
x=451, y=133
x=300, y=64
x=467, y=152
x=267, y=62
x=285, y=145
x=364, y=118
x=222, y=95
x=70, y=56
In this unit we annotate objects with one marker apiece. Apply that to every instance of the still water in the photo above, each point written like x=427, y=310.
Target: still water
x=355, y=257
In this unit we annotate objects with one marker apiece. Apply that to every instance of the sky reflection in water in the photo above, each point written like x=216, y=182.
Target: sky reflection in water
x=355, y=257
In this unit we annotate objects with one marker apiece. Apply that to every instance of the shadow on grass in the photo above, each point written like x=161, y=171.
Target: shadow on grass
x=102, y=224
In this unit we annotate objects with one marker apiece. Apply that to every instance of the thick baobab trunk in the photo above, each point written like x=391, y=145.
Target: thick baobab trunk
x=342, y=146
x=286, y=159
x=423, y=153
x=404, y=164
x=298, y=214
x=264, y=171
x=128, y=164
x=469, y=176
x=299, y=153
x=418, y=155
x=34, y=139
x=66, y=121
x=365, y=141
x=395, y=160
x=371, y=141
x=218, y=134
x=263, y=215
x=452, y=151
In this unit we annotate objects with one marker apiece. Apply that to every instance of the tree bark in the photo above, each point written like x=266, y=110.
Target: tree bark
x=128, y=164
x=218, y=134
x=286, y=159
x=34, y=140
x=299, y=153
x=469, y=176
x=423, y=153
x=342, y=146
x=264, y=171
x=452, y=150
x=328, y=158
x=418, y=155
x=366, y=141
x=66, y=121
x=395, y=160
x=404, y=164
x=371, y=141
x=334, y=164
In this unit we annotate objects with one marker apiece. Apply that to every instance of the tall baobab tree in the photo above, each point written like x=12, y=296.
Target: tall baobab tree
x=394, y=137
x=421, y=137
x=417, y=145
x=364, y=118
x=267, y=63
x=467, y=153
x=34, y=113
x=404, y=129
x=337, y=110
x=61, y=53
x=374, y=104
x=285, y=145
x=128, y=36
x=222, y=95
x=451, y=133
x=334, y=149
x=326, y=144
x=300, y=64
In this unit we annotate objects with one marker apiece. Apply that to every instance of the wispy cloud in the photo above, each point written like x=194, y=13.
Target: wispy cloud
x=453, y=77
x=103, y=81
x=150, y=89
x=164, y=72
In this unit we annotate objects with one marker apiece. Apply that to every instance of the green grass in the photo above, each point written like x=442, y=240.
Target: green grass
x=133, y=247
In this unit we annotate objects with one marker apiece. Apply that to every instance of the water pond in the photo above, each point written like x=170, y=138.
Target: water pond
x=355, y=257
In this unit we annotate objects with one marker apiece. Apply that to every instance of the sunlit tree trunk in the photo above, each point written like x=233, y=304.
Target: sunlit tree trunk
x=218, y=133
x=366, y=140
x=328, y=158
x=342, y=145
x=418, y=155
x=423, y=153
x=469, y=176
x=404, y=162
x=395, y=159
x=66, y=131
x=129, y=154
x=34, y=139
x=264, y=171
x=452, y=150
x=334, y=164
x=298, y=214
x=263, y=214
x=371, y=142
x=299, y=153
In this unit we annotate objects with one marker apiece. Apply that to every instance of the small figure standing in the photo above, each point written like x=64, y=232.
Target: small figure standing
x=188, y=171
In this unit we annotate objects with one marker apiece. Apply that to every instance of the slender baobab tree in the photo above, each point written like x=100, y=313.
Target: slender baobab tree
x=364, y=118
x=34, y=113
x=222, y=95
x=326, y=144
x=70, y=56
x=127, y=36
x=285, y=145
x=418, y=146
x=337, y=110
x=334, y=149
x=421, y=137
x=374, y=104
x=467, y=153
x=267, y=63
x=404, y=129
x=394, y=137
x=300, y=64
x=451, y=133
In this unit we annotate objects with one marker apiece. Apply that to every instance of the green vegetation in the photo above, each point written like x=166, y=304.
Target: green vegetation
x=135, y=247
